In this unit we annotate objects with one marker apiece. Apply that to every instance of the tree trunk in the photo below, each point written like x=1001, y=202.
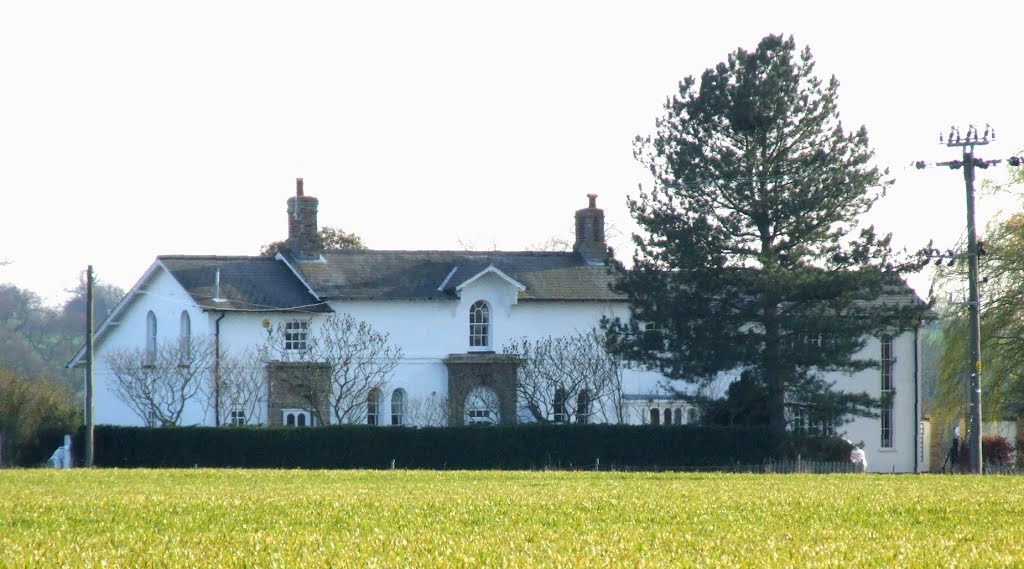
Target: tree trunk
x=773, y=374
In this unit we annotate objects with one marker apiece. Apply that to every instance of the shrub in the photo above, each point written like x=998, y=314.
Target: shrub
x=34, y=416
x=472, y=447
x=995, y=450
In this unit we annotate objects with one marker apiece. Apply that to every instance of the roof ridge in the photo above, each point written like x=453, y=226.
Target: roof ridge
x=450, y=252
x=216, y=257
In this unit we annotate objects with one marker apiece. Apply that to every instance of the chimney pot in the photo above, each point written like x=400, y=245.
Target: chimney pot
x=593, y=200
x=298, y=187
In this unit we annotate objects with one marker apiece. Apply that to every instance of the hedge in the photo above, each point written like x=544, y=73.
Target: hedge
x=495, y=447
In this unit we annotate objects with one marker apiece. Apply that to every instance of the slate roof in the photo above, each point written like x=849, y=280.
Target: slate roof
x=246, y=283
x=418, y=275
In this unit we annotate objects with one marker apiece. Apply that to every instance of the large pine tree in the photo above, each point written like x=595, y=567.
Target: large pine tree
x=751, y=258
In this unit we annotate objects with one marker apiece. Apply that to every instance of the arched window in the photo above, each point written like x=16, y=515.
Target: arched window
x=398, y=407
x=290, y=417
x=558, y=408
x=479, y=325
x=677, y=416
x=373, y=407
x=583, y=407
x=655, y=416
x=482, y=406
x=668, y=417
x=691, y=416
x=150, y=338
x=185, y=337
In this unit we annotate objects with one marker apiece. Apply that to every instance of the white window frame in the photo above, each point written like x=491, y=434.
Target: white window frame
x=373, y=407
x=584, y=406
x=237, y=417
x=558, y=410
x=185, y=337
x=151, y=331
x=886, y=363
x=398, y=407
x=296, y=336
x=482, y=406
x=300, y=417
x=480, y=325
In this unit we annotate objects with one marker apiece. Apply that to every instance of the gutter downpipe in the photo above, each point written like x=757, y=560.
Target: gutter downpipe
x=216, y=369
x=917, y=400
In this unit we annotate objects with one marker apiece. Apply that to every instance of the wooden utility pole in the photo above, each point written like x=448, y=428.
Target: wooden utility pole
x=969, y=163
x=89, y=418
x=974, y=306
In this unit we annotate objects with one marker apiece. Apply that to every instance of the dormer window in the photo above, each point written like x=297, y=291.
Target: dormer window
x=479, y=325
x=296, y=333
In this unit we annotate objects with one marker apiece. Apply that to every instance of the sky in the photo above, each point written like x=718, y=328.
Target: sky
x=134, y=129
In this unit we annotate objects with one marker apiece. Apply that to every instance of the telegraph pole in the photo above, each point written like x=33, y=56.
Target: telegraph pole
x=969, y=163
x=973, y=301
x=89, y=418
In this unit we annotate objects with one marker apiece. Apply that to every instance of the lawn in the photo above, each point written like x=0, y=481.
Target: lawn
x=292, y=518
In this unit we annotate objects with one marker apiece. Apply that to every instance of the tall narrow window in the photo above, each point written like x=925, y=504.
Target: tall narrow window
x=185, y=338
x=296, y=333
x=655, y=416
x=583, y=407
x=479, y=325
x=398, y=407
x=691, y=417
x=150, y=338
x=668, y=417
x=677, y=416
x=559, y=406
x=886, y=364
x=797, y=419
x=373, y=407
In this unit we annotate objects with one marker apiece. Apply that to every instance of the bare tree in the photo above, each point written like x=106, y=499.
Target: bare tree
x=568, y=379
x=240, y=384
x=427, y=411
x=554, y=243
x=356, y=358
x=156, y=385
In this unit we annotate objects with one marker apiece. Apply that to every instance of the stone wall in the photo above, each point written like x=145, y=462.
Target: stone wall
x=496, y=371
x=299, y=385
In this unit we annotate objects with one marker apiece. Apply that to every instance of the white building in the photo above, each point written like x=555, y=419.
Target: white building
x=450, y=312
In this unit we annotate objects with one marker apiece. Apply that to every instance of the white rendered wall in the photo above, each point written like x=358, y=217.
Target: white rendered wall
x=162, y=295
x=899, y=457
x=429, y=331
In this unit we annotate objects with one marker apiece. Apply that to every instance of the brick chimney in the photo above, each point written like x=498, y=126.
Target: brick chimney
x=590, y=233
x=303, y=241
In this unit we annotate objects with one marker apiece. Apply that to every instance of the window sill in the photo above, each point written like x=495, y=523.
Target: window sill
x=888, y=449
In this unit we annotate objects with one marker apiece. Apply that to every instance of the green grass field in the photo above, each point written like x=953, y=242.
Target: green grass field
x=218, y=518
